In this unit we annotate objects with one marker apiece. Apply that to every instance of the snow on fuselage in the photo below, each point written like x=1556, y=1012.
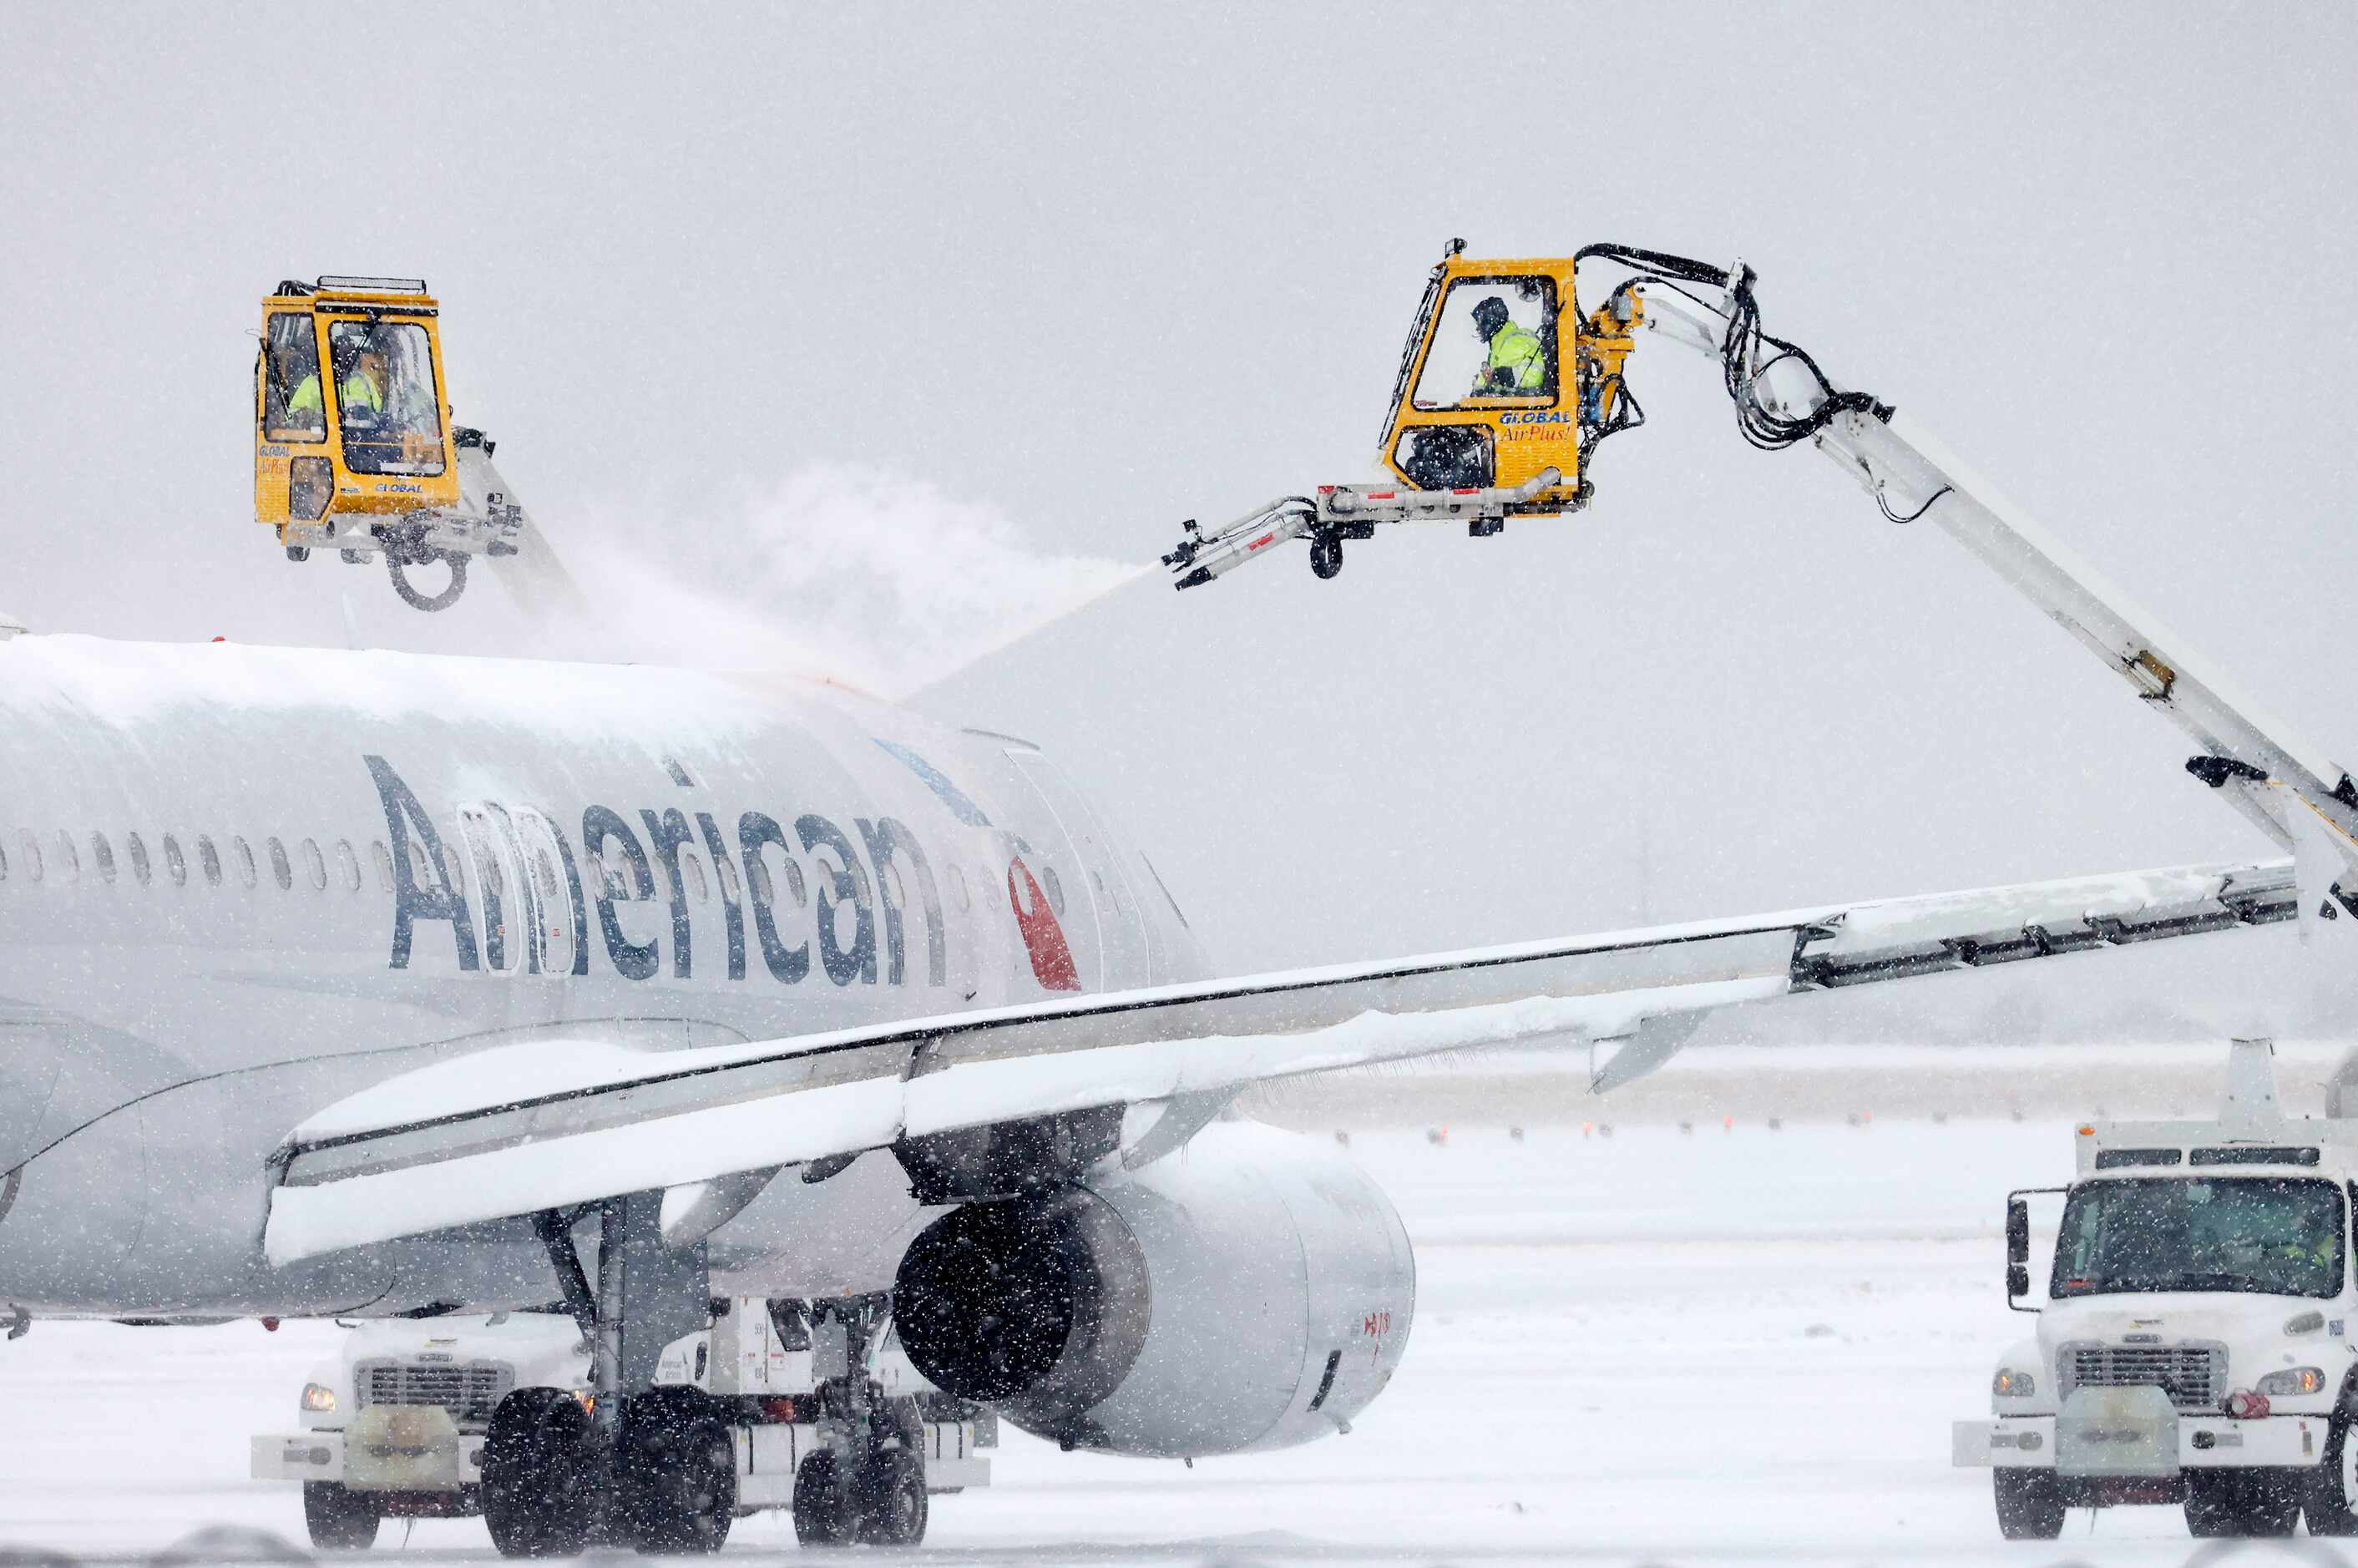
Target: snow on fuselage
x=243, y=884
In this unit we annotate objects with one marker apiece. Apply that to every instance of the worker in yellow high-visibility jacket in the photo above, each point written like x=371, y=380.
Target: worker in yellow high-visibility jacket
x=362, y=386
x=1517, y=361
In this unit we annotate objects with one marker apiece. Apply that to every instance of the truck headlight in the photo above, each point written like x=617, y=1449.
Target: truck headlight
x=2010, y=1384
x=318, y=1396
x=2293, y=1380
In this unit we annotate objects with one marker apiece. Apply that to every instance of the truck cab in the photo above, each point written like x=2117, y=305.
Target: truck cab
x=395, y=1426
x=2193, y=1343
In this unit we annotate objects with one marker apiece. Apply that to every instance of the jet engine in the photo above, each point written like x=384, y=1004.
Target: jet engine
x=1251, y=1292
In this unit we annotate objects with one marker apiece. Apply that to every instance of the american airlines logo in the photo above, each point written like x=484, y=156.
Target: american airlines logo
x=856, y=920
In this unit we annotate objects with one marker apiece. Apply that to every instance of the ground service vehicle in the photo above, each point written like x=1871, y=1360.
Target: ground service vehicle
x=2193, y=1341
x=1477, y=441
x=354, y=448
x=395, y=1426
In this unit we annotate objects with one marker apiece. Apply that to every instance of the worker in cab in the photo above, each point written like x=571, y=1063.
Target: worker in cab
x=363, y=388
x=1517, y=361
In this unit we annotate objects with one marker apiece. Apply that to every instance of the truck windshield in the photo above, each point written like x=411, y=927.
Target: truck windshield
x=386, y=395
x=2272, y=1235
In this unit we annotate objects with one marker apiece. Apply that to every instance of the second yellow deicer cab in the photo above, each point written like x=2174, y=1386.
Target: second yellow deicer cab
x=368, y=439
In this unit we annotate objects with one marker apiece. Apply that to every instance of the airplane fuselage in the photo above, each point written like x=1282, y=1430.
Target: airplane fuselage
x=244, y=884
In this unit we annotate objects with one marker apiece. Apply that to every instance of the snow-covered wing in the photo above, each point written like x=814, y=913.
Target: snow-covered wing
x=552, y=1123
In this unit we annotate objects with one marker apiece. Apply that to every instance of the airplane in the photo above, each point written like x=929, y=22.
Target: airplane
x=370, y=983
x=363, y=983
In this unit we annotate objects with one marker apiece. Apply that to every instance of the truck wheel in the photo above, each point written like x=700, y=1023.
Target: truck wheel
x=2241, y=1503
x=822, y=1513
x=678, y=1473
x=539, y=1475
x=2030, y=1504
x=340, y=1518
x=895, y=1510
x=2330, y=1502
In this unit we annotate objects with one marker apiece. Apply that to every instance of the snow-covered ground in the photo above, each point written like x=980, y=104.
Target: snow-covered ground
x=1718, y=1346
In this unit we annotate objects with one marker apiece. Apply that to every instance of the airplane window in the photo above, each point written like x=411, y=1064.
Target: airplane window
x=383, y=864
x=958, y=889
x=757, y=877
x=243, y=854
x=419, y=871
x=1056, y=887
x=68, y=860
x=101, y=855
x=138, y=850
x=545, y=873
x=695, y=877
x=314, y=867
x=349, y=865
x=175, y=864
x=209, y=860
x=32, y=856
x=727, y=869
x=4, y=865
x=795, y=883
x=894, y=889
x=280, y=871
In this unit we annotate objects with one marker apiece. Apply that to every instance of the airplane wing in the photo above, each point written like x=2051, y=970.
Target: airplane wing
x=553, y=1123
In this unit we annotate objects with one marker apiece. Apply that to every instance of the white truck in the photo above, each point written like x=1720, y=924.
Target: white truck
x=2194, y=1341
x=395, y=1426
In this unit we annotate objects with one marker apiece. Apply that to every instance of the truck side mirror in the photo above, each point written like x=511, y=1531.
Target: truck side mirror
x=2017, y=1249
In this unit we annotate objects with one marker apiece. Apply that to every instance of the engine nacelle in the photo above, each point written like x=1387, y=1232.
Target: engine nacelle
x=1253, y=1291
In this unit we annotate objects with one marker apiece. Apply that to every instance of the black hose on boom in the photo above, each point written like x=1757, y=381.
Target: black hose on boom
x=1746, y=353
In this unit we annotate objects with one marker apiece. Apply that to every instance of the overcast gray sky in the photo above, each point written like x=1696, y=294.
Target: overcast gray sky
x=857, y=333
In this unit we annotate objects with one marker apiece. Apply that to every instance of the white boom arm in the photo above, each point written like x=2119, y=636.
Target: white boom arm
x=1912, y=474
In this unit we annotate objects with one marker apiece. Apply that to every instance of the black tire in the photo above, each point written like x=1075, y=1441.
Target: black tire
x=540, y=1475
x=300, y=553
x=2030, y=1504
x=2330, y=1502
x=2241, y=1503
x=1325, y=555
x=399, y=562
x=679, y=1473
x=340, y=1518
x=893, y=1510
x=823, y=1510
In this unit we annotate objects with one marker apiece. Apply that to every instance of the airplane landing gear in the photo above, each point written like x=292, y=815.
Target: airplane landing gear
x=678, y=1473
x=542, y=1472
x=882, y=1503
x=868, y=1485
x=632, y=1464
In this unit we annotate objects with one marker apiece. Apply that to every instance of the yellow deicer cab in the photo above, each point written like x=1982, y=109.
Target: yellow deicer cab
x=350, y=423
x=1504, y=392
x=355, y=448
x=1475, y=408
